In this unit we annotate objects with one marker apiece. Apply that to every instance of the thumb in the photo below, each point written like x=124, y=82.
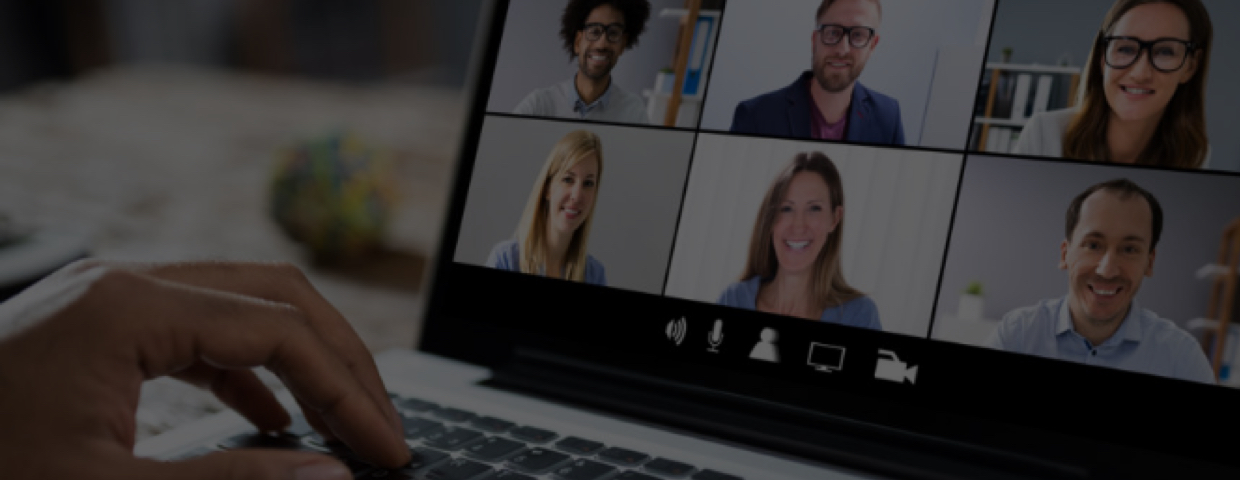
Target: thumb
x=247, y=465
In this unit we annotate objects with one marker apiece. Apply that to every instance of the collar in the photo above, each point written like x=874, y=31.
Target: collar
x=1130, y=330
x=580, y=106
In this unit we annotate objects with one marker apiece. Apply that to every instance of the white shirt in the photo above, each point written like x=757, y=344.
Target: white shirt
x=1043, y=135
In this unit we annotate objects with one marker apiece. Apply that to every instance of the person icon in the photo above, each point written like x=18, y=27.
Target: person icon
x=765, y=348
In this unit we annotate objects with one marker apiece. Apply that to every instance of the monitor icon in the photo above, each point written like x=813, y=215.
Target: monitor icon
x=825, y=358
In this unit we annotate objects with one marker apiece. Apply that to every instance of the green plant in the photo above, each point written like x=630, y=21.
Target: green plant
x=974, y=288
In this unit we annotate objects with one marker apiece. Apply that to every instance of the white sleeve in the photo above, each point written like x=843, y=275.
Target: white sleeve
x=1030, y=141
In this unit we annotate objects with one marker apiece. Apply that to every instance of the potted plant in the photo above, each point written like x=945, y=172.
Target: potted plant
x=971, y=304
x=664, y=79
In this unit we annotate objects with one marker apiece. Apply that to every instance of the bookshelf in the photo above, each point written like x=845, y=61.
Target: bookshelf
x=1007, y=99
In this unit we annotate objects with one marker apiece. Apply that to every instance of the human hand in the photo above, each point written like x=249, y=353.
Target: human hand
x=87, y=337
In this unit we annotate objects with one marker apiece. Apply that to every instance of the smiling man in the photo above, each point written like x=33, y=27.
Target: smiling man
x=1109, y=247
x=595, y=34
x=828, y=102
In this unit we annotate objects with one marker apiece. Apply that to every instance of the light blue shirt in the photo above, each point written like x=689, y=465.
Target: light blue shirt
x=1143, y=343
x=858, y=312
x=562, y=100
x=507, y=256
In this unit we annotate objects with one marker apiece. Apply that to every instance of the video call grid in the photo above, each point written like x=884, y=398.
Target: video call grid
x=698, y=129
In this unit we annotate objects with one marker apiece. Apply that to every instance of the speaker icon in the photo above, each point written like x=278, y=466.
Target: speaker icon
x=676, y=330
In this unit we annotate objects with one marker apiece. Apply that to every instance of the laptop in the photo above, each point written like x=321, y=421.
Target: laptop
x=713, y=319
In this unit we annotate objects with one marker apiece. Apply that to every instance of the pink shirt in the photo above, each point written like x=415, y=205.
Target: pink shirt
x=819, y=129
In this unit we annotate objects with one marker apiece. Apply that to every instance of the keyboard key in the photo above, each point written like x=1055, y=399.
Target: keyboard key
x=582, y=469
x=316, y=442
x=668, y=468
x=537, y=461
x=455, y=414
x=451, y=438
x=299, y=427
x=510, y=475
x=713, y=475
x=422, y=458
x=533, y=435
x=416, y=428
x=263, y=440
x=493, y=449
x=631, y=475
x=623, y=457
x=416, y=405
x=492, y=424
x=458, y=469
x=430, y=456
x=579, y=446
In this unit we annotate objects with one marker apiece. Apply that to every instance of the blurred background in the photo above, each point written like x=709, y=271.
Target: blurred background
x=316, y=132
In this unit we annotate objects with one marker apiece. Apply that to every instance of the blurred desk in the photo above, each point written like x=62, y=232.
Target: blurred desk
x=173, y=163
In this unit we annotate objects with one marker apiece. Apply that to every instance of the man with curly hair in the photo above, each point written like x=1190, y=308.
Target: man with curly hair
x=827, y=102
x=595, y=34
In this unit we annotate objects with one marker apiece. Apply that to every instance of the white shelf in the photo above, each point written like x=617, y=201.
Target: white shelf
x=1018, y=67
x=1003, y=122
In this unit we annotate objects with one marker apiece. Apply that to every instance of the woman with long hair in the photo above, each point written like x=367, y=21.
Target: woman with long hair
x=554, y=230
x=794, y=251
x=1144, y=91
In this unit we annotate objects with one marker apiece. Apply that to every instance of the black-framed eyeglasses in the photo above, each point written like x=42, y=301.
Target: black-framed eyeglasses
x=1165, y=54
x=858, y=37
x=594, y=31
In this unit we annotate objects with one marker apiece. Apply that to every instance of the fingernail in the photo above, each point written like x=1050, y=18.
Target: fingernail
x=322, y=471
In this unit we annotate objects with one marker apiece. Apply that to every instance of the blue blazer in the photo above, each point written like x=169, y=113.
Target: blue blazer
x=873, y=117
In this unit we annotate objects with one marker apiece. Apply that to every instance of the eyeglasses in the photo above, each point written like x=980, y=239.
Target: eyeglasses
x=594, y=31
x=858, y=37
x=1165, y=54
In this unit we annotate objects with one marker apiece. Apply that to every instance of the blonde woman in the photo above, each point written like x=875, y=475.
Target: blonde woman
x=555, y=227
x=793, y=267
x=1144, y=96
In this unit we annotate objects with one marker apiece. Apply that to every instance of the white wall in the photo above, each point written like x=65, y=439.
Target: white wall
x=764, y=46
x=899, y=201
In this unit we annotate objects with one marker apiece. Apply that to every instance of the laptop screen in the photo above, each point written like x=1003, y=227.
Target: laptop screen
x=943, y=206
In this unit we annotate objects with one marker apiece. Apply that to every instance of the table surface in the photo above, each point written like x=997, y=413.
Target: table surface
x=165, y=163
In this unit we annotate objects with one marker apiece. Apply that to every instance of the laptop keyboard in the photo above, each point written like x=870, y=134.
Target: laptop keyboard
x=454, y=444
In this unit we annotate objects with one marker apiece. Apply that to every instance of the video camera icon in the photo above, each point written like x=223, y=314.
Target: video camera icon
x=890, y=368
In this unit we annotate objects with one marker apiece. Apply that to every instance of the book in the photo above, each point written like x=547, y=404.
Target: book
x=1003, y=96
x=1042, y=94
x=1020, y=99
x=1000, y=140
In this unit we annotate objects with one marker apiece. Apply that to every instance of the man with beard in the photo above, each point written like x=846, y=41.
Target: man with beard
x=595, y=33
x=1112, y=231
x=828, y=102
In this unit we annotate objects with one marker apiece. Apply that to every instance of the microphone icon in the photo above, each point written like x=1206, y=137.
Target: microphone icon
x=715, y=337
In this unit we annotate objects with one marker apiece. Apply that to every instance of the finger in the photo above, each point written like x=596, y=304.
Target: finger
x=242, y=390
x=287, y=284
x=168, y=327
x=239, y=465
x=316, y=422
